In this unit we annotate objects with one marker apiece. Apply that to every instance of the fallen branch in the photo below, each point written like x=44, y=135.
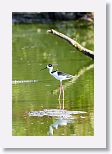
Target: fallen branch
x=85, y=51
x=80, y=73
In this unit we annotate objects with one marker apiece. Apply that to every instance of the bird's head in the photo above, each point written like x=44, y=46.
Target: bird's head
x=49, y=66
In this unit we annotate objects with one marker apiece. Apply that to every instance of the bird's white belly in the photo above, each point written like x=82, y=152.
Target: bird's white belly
x=58, y=77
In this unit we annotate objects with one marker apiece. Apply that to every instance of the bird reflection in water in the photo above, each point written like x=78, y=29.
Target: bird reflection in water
x=59, y=122
x=61, y=116
x=62, y=121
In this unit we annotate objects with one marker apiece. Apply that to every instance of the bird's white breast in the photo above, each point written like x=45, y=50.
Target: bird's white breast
x=58, y=77
x=55, y=74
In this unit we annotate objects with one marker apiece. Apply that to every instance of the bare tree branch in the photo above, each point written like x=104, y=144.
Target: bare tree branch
x=85, y=51
x=76, y=77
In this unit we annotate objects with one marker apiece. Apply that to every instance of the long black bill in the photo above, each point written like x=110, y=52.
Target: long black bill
x=43, y=68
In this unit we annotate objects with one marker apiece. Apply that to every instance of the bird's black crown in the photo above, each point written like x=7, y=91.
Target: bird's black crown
x=50, y=65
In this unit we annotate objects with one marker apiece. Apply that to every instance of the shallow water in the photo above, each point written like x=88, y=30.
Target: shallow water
x=34, y=90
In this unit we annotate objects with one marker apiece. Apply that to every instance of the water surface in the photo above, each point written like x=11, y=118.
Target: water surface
x=34, y=90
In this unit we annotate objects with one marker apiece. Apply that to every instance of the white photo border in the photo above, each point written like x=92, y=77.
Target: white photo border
x=99, y=138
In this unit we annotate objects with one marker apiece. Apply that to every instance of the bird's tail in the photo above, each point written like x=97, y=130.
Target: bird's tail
x=70, y=76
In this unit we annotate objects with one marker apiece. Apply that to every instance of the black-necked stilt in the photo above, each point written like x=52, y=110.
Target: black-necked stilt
x=59, y=76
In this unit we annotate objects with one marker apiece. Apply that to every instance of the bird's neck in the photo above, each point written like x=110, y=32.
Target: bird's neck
x=50, y=70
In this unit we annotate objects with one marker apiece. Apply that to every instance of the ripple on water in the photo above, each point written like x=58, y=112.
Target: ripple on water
x=56, y=113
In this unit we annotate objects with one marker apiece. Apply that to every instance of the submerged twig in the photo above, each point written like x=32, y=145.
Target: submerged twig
x=81, y=72
x=82, y=49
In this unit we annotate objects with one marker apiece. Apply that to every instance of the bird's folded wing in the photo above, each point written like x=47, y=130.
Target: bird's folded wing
x=64, y=74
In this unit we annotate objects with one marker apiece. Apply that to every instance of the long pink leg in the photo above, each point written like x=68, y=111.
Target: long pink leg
x=63, y=96
x=63, y=92
x=59, y=104
x=60, y=92
x=63, y=104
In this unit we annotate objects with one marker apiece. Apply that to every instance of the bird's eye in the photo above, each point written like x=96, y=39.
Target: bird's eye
x=50, y=65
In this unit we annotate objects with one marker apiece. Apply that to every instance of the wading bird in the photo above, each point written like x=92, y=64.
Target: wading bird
x=59, y=76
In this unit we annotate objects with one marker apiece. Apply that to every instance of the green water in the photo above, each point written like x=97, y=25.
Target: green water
x=32, y=49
